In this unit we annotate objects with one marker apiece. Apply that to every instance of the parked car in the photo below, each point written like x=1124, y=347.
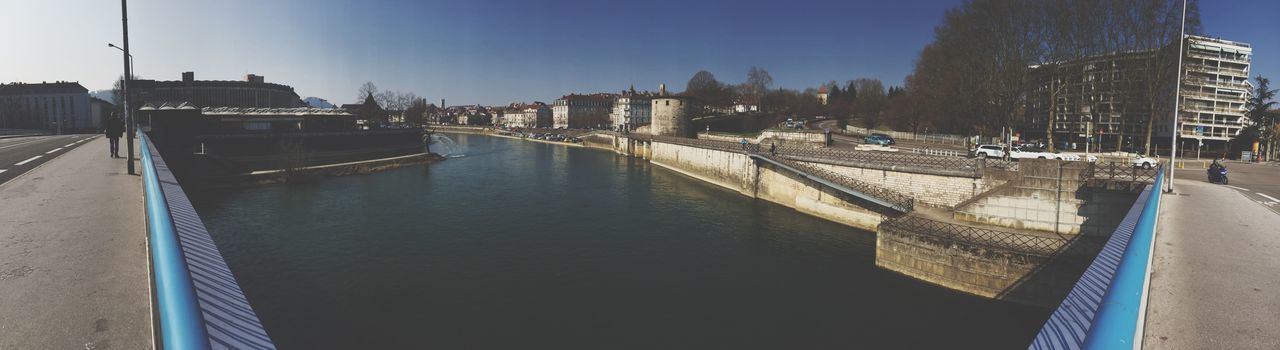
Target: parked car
x=878, y=139
x=989, y=151
x=1145, y=162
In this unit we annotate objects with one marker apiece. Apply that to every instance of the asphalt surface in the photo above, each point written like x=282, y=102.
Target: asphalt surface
x=1215, y=281
x=1258, y=182
x=73, y=253
x=851, y=139
x=19, y=155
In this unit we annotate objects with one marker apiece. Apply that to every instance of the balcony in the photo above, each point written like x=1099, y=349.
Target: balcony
x=1217, y=58
x=1215, y=97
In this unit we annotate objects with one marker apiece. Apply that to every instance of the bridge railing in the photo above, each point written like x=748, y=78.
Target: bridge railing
x=1106, y=308
x=197, y=300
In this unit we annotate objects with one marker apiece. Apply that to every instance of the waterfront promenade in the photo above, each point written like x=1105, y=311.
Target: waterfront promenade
x=1216, y=272
x=73, y=255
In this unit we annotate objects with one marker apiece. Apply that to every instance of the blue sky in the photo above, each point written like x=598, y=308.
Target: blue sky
x=494, y=52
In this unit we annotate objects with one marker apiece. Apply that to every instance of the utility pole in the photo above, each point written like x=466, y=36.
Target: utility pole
x=128, y=75
x=1177, y=98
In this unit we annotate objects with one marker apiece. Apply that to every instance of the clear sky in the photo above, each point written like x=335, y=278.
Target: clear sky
x=495, y=52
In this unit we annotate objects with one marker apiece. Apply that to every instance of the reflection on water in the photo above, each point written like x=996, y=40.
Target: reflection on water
x=524, y=244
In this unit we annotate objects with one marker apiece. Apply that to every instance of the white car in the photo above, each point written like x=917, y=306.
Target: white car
x=989, y=151
x=1145, y=162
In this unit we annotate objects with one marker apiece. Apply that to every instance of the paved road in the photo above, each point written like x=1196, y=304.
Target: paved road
x=900, y=143
x=19, y=155
x=1257, y=182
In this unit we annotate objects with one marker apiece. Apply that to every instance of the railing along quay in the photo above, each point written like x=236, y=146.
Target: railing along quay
x=197, y=300
x=898, y=201
x=976, y=236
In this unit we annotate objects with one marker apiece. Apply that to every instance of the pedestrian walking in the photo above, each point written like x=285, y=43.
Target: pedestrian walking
x=113, y=130
x=773, y=149
x=744, y=144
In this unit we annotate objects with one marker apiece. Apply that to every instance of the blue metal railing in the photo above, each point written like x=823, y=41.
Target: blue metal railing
x=181, y=324
x=1117, y=323
x=1106, y=308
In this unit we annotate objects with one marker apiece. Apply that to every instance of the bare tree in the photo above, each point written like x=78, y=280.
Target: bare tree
x=368, y=89
x=758, y=82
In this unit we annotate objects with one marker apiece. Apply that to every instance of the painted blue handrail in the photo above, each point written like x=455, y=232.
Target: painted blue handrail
x=181, y=324
x=1120, y=316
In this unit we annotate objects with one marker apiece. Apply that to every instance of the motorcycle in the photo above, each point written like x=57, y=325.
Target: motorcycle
x=1218, y=174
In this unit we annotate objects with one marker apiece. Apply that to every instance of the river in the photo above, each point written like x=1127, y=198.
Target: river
x=518, y=244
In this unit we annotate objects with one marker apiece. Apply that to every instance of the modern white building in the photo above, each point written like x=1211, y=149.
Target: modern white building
x=1215, y=89
x=61, y=106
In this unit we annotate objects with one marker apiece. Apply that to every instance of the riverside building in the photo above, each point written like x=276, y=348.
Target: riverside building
x=252, y=92
x=61, y=106
x=1113, y=97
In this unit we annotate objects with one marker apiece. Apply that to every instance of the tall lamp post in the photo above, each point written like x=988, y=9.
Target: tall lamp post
x=128, y=75
x=1177, y=99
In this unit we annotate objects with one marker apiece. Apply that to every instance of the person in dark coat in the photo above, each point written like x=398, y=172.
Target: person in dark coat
x=113, y=130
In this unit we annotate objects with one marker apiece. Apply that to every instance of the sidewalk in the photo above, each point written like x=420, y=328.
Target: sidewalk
x=1216, y=272
x=73, y=260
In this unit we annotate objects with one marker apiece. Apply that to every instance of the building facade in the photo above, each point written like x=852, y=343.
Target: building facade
x=252, y=92
x=582, y=111
x=630, y=111
x=100, y=110
x=1112, y=98
x=531, y=115
x=1215, y=89
x=61, y=106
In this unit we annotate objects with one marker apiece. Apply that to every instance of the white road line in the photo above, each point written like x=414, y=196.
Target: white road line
x=1238, y=188
x=3, y=170
x=70, y=144
x=27, y=161
x=1273, y=199
x=21, y=143
x=54, y=150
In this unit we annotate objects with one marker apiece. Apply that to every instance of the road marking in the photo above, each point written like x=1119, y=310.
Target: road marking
x=1273, y=199
x=3, y=170
x=27, y=161
x=54, y=150
x=22, y=143
x=1238, y=188
x=70, y=144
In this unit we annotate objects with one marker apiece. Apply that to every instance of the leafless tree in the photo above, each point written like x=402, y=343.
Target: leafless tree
x=366, y=90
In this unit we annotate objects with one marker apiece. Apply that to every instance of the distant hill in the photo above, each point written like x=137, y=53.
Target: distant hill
x=317, y=102
x=105, y=95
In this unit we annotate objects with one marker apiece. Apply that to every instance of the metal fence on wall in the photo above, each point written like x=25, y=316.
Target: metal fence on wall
x=1000, y=240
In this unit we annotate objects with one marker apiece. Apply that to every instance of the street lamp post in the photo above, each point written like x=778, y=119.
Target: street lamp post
x=128, y=75
x=1177, y=97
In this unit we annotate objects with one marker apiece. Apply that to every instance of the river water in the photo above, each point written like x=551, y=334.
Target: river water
x=520, y=244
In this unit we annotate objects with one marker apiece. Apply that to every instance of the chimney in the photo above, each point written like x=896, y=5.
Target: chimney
x=188, y=77
x=254, y=78
x=662, y=89
x=442, y=103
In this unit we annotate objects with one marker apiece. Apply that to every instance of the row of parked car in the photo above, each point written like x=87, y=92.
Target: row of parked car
x=553, y=137
x=1022, y=152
